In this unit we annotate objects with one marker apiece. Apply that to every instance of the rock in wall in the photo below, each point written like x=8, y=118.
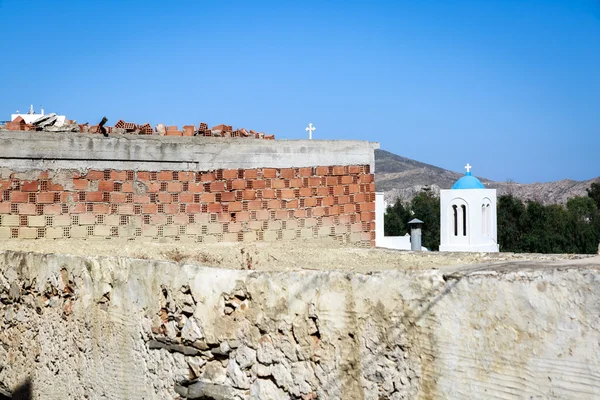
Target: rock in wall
x=118, y=328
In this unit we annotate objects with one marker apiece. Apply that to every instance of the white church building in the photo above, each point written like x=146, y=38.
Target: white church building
x=468, y=216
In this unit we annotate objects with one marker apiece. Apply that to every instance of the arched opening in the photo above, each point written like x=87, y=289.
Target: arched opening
x=464, y=219
x=455, y=211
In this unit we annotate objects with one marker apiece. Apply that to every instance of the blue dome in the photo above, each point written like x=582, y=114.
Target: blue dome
x=468, y=182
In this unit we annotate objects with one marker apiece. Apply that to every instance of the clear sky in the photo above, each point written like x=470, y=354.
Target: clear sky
x=512, y=87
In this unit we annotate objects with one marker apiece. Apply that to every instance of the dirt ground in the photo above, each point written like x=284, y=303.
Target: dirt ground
x=276, y=256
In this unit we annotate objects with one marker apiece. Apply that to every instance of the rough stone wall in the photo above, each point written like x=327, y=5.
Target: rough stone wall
x=263, y=204
x=120, y=328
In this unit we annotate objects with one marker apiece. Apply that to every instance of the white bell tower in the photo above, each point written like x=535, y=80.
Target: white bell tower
x=468, y=216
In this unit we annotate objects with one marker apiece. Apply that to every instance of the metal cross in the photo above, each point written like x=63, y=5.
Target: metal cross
x=310, y=128
x=468, y=167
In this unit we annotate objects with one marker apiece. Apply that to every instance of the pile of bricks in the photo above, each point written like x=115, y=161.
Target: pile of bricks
x=224, y=205
x=18, y=124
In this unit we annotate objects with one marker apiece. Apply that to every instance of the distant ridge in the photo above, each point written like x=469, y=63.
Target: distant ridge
x=401, y=177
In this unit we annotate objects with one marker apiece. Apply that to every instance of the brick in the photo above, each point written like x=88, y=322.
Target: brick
x=164, y=198
x=234, y=206
x=55, y=187
x=127, y=187
x=331, y=180
x=214, y=208
x=165, y=176
x=81, y=184
x=217, y=186
x=174, y=187
x=291, y=204
x=268, y=194
x=93, y=197
x=230, y=173
x=338, y=190
x=20, y=197
x=186, y=197
x=250, y=174
x=207, y=197
x=310, y=202
x=118, y=175
x=242, y=216
x=314, y=182
x=28, y=233
x=262, y=215
x=45, y=198
x=5, y=233
x=274, y=204
x=287, y=194
x=101, y=209
x=171, y=208
x=118, y=197
x=321, y=171
x=254, y=205
x=95, y=175
x=54, y=232
x=78, y=232
x=269, y=173
x=347, y=179
x=207, y=177
x=306, y=192
x=186, y=176
x=141, y=199
x=106, y=186
x=31, y=186
x=193, y=208
x=322, y=191
x=249, y=194
x=27, y=209
x=5, y=184
x=149, y=231
x=52, y=209
x=238, y=184
x=259, y=184
x=5, y=208
x=338, y=170
x=282, y=214
x=300, y=214
x=277, y=184
x=355, y=169
x=143, y=176
x=62, y=220
x=10, y=220
x=153, y=187
x=102, y=230
x=149, y=208
x=195, y=188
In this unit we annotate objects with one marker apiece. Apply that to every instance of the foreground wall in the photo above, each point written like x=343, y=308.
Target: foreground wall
x=135, y=329
x=207, y=190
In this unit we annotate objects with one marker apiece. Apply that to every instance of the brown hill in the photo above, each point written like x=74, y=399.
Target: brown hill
x=401, y=177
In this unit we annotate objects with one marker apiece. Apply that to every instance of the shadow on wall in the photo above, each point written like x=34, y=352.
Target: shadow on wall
x=23, y=392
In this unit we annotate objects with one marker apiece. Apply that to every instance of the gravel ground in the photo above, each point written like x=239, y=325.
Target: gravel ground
x=276, y=256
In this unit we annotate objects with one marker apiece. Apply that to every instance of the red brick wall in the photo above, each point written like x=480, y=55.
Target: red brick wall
x=224, y=205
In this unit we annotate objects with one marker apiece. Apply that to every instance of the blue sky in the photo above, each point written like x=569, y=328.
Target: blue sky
x=512, y=87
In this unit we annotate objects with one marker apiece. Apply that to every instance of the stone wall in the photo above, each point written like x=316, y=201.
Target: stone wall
x=209, y=190
x=119, y=328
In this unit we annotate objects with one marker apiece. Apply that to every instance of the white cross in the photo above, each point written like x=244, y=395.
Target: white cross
x=468, y=167
x=310, y=128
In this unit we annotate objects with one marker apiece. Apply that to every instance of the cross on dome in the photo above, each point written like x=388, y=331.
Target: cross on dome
x=468, y=168
x=310, y=128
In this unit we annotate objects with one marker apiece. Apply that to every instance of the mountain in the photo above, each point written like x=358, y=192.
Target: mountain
x=401, y=177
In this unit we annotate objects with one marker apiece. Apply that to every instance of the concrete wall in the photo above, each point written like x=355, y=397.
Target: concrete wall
x=198, y=189
x=130, y=329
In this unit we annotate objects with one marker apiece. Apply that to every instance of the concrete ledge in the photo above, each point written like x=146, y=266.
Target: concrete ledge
x=19, y=150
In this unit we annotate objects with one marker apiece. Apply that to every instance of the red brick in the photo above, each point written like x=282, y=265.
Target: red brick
x=338, y=190
x=186, y=197
x=66, y=197
x=338, y=170
x=45, y=198
x=238, y=184
x=127, y=187
x=295, y=183
x=186, y=176
x=321, y=171
x=171, y=208
x=322, y=191
x=52, y=209
x=118, y=175
x=347, y=179
x=27, y=209
x=153, y=187
x=234, y=207
x=230, y=173
x=188, y=130
x=149, y=208
x=306, y=192
x=101, y=209
x=207, y=197
x=249, y=194
x=277, y=183
x=318, y=211
x=78, y=208
x=291, y=204
x=286, y=173
x=55, y=187
x=254, y=205
x=193, y=209
x=141, y=199
x=250, y=174
x=287, y=194
x=81, y=184
x=269, y=173
x=305, y=172
x=355, y=169
x=5, y=208
x=214, y=208
x=196, y=188
x=7, y=184
x=348, y=208
x=228, y=196
x=94, y=197
x=262, y=215
x=242, y=216
x=343, y=199
x=174, y=187
x=282, y=214
x=208, y=177
x=31, y=186
x=164, y=198
x=331, y=180
x=314, y=182
x=165, y=176
x=259, y=184
x=359, y=197
x=268, y=194
x=274, y=204
x=143, y=176
x=310, y=202
x=95, y=175
x=106, y=186
x=20, y=197
x=118, y=197
x=328, y=201
x=217, y=186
